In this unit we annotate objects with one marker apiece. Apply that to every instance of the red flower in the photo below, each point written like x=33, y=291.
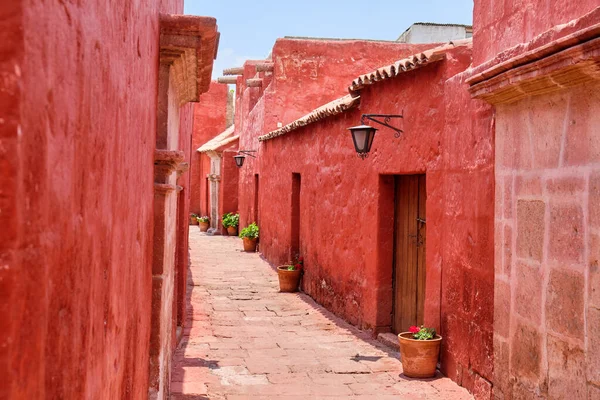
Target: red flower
x=414, y=329
x=298, y=266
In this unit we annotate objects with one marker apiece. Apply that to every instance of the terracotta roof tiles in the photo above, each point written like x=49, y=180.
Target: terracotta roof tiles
x=334, y=107
x=342, y=104
x=404, y=65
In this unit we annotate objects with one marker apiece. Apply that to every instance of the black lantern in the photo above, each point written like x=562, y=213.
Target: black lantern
x=240, y=157
x=239, y=160
x=362, y=136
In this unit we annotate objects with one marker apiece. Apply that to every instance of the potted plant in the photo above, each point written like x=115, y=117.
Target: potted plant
x=419, y=351
x=204, y=223
x=249, y=236
x=289, y=275
x=231, y=222
x=193, y=219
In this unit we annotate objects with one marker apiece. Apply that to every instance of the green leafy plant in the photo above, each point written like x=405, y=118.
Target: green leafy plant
x=192, y=215
x=231, y=219
x=295, y=264
x=422, y=333
x=202, y=219
x=250, y=232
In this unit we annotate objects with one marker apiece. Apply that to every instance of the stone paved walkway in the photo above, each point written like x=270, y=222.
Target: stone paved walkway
x=246, y=340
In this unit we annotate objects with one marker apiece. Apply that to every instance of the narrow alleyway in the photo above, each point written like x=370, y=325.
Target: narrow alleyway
x=246, y=340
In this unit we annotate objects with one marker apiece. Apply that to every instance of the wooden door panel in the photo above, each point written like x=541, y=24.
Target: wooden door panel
x=422, y=230
x=409, y=252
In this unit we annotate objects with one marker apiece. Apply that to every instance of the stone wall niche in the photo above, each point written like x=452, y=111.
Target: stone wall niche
x=187, y=49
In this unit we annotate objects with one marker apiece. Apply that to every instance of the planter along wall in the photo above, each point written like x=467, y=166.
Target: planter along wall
x=345, y=206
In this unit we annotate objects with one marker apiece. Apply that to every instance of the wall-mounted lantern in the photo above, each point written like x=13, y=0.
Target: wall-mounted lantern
x=241, y=157
x=363, y=135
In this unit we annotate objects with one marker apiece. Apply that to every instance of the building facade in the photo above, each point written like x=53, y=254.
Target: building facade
x=495, y=168
x=212, y=115
x=542, y=78
x=428, y=32
x=95, y=145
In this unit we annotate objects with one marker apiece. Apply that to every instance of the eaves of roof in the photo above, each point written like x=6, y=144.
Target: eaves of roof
x=404, y=65
x=334, y=107
x=351, y=100
x=225, y=137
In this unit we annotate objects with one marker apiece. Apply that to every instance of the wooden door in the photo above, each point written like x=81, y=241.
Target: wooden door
x=295, y=214
x=409, y=252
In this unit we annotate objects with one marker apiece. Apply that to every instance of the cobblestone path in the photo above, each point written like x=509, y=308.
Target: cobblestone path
x=245, y=340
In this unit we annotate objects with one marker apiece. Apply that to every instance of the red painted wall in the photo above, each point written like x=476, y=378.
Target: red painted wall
x=547, y=224
x=228, y=189
x=500, y=25
x=186, y=116
x=307, y=74
x=547, y=194
x=209, y=121
x=346, y=205
x=548, y=246
x=77, y=141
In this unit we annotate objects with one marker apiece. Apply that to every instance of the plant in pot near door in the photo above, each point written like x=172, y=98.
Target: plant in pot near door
x=193, y=219
x=231, y=222
x=419, y=351
x=204, y=223
x=249, y=236
x=289, y=275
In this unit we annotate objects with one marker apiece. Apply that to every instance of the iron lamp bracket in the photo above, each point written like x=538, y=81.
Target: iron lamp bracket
x=385, y=122
x=247, y=153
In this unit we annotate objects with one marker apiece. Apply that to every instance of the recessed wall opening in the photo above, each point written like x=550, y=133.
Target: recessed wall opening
x=295, y=215
x=256, y=215
x=409, y=252
x=206, y=197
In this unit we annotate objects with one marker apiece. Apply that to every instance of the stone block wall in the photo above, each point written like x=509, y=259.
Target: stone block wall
x=547, y=233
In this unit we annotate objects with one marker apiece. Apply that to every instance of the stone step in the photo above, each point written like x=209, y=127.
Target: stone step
x=390, y=340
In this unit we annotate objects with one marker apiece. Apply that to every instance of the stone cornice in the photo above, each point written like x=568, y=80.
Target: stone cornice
x=182, y=167
x=168, y=158
x=560, y=37
x=164, y=188
x=189, y=44
x=570, y=67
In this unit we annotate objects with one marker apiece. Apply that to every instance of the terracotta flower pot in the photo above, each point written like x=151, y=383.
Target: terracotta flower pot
x=193, y=221
x=232, y=230
x=419, y=357
x=288, y=280
x=204, y=226
x=249, y=244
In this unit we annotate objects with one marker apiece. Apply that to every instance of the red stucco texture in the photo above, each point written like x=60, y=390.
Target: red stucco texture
x=307, y=74
x=347, y=204
x=501, y=25
x=209, y=121
x=547, y=198
x=76, y=194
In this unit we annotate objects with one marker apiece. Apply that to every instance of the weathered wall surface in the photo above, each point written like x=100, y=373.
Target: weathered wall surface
x=499, y=25
x=547, y=246
x=186, y=117
x=547, y=195
x=307, y=74
x=228, y=188
x=346, y=205
x=209, y=120
x=78, y=136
